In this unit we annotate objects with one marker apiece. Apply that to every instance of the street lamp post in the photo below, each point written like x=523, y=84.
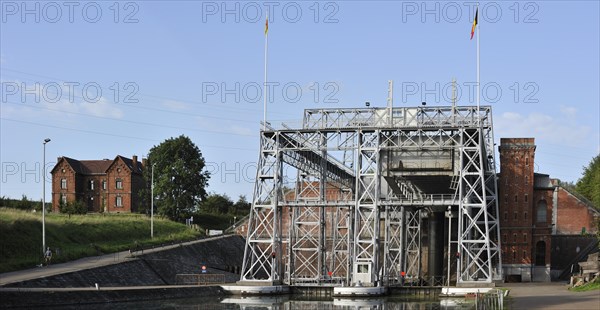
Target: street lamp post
x=44, y=199
x=152, y=204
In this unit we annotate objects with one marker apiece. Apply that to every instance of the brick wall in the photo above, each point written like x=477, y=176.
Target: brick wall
x=574, y=216
x=63, y=171
x=119, y=171
x=515, y=195
x=102, y=196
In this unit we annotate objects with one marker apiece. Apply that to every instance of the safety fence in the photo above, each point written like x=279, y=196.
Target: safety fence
x=199, y=279
x=492, y=300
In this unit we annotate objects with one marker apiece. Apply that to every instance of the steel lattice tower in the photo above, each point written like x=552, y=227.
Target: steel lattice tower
x=342, y=199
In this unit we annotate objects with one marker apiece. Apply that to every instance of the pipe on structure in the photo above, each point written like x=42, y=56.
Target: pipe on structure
x=435, y=259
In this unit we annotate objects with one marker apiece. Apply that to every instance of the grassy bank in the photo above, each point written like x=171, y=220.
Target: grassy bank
x=590, y=286
x=78, y=236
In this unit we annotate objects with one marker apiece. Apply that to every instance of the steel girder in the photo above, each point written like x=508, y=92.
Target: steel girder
x=394, y=245
x=478, y=245
x=262, y=255
x=412, y=260
x=366, y=213
x=332, y=236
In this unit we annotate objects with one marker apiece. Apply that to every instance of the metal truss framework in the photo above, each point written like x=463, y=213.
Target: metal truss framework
x=337, y=227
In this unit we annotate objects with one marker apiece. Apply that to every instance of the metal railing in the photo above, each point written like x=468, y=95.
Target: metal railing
x=199, y=279
x=492, y=300
x=418, y=281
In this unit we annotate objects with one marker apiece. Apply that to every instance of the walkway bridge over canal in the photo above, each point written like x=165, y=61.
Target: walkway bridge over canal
x=344, y=199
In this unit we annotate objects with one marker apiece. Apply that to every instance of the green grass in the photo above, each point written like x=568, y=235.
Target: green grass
x=590, y=286
x=79, y=236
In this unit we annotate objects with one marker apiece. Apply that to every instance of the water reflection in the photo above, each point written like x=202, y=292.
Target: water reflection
x=293, y=302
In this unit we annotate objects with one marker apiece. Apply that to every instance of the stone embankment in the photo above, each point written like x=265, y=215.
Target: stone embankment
x=143, y=275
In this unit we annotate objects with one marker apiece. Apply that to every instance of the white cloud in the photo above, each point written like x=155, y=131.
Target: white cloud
x=103, y=108
x=175, y=105
x=569, y=112
x=54, y=100
x=564, y=130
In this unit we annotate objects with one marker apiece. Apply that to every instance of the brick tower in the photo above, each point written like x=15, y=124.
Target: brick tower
x=515, y=189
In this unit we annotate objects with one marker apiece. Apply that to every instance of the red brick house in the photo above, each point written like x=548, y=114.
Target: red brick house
x=103, y=185
x=537, y=216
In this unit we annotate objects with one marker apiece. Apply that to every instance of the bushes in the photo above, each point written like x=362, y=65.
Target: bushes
x=77, y=207
x=23, y=204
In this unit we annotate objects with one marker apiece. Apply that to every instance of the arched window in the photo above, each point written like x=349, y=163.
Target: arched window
x=541, y=211
x=540, y=253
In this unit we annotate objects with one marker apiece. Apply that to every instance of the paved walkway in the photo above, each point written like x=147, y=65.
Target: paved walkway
x=550, y=296
x=85, y=263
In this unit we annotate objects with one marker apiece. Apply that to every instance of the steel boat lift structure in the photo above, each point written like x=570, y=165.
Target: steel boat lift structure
x=341, y=199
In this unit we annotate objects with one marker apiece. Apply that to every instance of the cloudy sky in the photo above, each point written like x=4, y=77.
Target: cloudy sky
x=102, y=78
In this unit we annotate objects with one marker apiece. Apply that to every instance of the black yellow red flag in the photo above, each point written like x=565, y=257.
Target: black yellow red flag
x=474, y=23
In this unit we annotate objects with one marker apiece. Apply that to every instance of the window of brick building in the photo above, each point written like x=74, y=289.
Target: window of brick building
x=541, y=211
x=63, y=199
x=525, y=215
x=526, y=180
x=516, y=198
x=524, y=237
x=119, y=184
x=63, y=183
x=515, y=215
x=119, y=201
x=505, y=215
x=524, y=255
x=104, y=184
x=91, y=184
x=526, y=197
x=514, y=237
x=526, y=161
x=514, y=255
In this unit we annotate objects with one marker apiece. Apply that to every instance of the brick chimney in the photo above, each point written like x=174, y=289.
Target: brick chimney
x=135, y=162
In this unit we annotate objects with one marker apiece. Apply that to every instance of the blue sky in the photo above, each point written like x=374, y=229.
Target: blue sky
x=120, y=78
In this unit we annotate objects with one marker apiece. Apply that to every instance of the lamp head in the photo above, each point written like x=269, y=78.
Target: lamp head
x=46, y=140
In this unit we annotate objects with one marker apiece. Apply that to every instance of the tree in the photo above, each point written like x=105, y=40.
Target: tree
x=589, y=184
x=179, y=179
x=216, y=204
x=76, y=207
x=242, y=206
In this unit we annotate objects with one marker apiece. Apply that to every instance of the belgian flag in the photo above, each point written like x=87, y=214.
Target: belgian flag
x=267, y=25
x=474, y=23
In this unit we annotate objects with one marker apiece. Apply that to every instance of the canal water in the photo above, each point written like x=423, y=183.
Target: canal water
x=291, y=302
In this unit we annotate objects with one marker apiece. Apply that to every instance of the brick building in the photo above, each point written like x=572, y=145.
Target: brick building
x=536, y=216
x=103, y=185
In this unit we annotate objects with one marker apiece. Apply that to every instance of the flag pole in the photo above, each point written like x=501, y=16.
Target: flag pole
x=478, y=81
x=265, y=92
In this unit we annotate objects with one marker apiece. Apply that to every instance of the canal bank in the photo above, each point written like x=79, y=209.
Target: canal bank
x=59, y=297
